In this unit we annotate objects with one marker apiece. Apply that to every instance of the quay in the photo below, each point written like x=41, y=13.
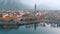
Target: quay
x=19, y=22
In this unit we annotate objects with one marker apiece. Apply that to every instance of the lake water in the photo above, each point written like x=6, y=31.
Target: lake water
x=35, y=28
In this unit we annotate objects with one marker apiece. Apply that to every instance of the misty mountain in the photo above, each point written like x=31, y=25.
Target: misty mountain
x=14, y=5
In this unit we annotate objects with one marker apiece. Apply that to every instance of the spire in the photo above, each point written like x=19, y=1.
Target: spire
x=35, y=7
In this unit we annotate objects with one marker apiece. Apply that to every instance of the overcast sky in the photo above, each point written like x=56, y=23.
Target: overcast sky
x=55, y=4
x=51, y=3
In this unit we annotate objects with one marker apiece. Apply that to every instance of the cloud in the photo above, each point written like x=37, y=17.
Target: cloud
x=5, y=2
x=1, y=1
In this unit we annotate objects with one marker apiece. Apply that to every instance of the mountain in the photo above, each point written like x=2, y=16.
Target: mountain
x=14, y=5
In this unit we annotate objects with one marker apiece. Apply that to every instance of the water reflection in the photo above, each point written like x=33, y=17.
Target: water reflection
x=33, y=25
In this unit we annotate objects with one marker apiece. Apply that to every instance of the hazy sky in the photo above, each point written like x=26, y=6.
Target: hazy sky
x=51, y=3
x=38, y=2
x=54, y=4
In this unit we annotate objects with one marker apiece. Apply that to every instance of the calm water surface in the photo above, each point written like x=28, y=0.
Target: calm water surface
x=36, y=28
